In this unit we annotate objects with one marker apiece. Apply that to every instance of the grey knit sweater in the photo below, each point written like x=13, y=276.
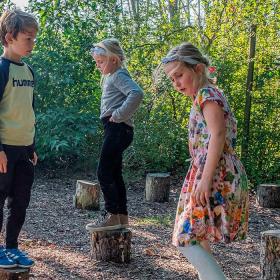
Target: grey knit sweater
x=121, y=96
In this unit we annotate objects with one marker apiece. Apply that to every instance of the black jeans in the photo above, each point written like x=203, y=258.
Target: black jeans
x=117, y=137
x=16, y=186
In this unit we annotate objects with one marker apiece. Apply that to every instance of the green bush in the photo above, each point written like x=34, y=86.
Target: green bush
x=63, y=134
x=160, y=144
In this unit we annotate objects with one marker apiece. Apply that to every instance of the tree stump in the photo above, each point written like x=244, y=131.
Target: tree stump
x=111, y=245
x=87, y=195
x=14, y=273
x=157, y=187
x=270, y=255
x=268, y=195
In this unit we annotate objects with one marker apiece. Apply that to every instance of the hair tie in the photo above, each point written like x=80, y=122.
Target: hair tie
x=212, y=69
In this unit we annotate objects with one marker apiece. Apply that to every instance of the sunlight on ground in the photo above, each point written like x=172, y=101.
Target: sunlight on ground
x=144, y=234
x=57, y=254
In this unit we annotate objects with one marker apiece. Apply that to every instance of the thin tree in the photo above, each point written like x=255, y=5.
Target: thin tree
x=249, y=87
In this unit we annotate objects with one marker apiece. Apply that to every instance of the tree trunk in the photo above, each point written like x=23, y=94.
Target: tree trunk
x=249, y=87
x=111, y=245
x=174, y=13
x=188, y=12
x=270, y=255
x=87, y=195
x=14, y=273
x=268, y=195
x=157, y=187
x=199, y=14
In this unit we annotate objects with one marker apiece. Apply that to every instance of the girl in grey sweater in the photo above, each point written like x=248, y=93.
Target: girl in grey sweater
x=121, y=96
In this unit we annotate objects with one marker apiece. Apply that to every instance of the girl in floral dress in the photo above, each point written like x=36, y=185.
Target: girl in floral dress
x=213, y=205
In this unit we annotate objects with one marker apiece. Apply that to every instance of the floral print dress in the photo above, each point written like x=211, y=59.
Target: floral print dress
x=226, y=218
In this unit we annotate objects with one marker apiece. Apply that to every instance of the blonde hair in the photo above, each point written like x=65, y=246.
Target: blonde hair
x=15, y=21
x=190, y=56
x=190, y=51
x=113, y=48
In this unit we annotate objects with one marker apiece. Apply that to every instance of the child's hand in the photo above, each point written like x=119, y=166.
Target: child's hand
x=111, y=119
x=203, y=192
x=34, y=159
x=3, y=162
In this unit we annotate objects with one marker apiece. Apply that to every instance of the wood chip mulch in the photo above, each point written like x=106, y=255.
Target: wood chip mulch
x=54, y=235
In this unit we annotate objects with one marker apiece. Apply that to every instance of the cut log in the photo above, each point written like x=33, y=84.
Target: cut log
x=14, y=273
x=268, y=195
x=87, y=195
x=111, y=245
x=157, y=187
x=270, y=255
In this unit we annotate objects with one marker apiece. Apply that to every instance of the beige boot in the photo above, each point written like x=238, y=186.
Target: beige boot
x=110, y=222
x=123, y=220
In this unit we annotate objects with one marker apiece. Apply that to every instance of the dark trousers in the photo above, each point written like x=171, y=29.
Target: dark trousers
x=117, y=137
x=15, y=185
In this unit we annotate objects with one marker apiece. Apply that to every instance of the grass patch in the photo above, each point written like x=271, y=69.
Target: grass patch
x=166, y=220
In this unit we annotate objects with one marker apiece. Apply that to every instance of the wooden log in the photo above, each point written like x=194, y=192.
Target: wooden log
x=111, y=245
x=87, y=195
x=270, y=255
x=14, y=273
x=157, y=187
x=268, y=195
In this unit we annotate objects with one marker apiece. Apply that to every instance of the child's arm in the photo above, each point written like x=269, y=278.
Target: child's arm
x=3, y=162
x=34, y=159
x=4, y=76
x=214, y=117
x=134, y=93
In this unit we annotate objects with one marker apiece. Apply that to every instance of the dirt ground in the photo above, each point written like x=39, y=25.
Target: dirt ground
x=54, y=235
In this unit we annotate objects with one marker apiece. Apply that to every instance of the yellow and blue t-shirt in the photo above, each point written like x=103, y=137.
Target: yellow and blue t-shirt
x=17, y=118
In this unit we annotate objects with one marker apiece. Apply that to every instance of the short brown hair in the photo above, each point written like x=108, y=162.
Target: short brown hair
x=15, y=21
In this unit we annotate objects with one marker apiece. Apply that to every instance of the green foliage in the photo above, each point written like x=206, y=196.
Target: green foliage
x=63, y=134
x=160, y=143
x=68, y=86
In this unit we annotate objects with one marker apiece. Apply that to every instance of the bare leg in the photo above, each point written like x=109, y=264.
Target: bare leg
x=205, y=245
x=203, y=261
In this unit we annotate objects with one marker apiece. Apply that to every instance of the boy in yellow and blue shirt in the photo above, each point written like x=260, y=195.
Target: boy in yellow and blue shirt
x=18, y=30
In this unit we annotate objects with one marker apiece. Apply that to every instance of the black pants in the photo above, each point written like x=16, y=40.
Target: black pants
x=117, y=137
x=16, y=186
